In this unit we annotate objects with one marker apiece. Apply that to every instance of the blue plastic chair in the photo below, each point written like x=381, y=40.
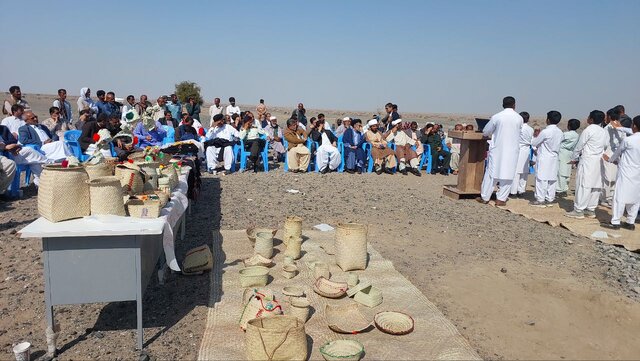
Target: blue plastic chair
x=312, y=160
x=71, y=139
x=368, y=151
x=426, y=158
x=14, y=187
x=341, y=150
x=171, y=134
x=532, y=169
x=286, y=154
x=243, y=154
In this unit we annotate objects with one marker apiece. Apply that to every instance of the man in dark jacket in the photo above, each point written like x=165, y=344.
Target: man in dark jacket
x=431, y=137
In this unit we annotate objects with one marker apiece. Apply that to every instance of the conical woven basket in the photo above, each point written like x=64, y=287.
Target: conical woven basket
x=264, y=244
x=130, y=178
x=276, y=338
x=106, y=196
x=98, y=170
x=57, y=205
x=292, y=228
x=351, y=246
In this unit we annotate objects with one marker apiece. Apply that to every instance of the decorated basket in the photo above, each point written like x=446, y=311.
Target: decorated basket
x=342, y=350
x=394, y=323
x=329, y=289
x=143, y=209
x=258, y=260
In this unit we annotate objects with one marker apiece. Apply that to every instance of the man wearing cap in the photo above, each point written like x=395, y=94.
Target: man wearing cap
x=220, y=136
x=404, y=152
x=274, y=136
x=298, y=155
x=383, y=157
x=346, y=123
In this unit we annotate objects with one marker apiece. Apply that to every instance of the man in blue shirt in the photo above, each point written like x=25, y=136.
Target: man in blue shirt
x=174, y=106
x=151, y=137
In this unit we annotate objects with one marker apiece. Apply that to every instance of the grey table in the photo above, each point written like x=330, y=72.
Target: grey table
x=88, y=261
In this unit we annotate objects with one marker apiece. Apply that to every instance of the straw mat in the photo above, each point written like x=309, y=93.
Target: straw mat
x=434, y=336
x=555, y=217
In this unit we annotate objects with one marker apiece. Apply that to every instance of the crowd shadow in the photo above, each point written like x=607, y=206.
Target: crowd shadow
x=165, y=305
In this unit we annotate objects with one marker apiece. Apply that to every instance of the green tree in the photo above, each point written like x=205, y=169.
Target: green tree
x=186, y=89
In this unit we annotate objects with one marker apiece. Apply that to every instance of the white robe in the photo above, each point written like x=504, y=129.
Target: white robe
x=526, y=135
x=548, y=145
x=614, y=138
x=627, y=155
x=504, y=128
x=569, y=141
x=589, y=149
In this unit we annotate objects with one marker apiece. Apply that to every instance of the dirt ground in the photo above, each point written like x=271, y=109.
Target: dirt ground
x=516, y=289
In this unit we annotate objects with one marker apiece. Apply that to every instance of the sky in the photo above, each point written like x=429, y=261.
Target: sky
x=426, y=56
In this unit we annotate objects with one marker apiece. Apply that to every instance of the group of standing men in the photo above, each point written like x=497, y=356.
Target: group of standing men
x=606, y=154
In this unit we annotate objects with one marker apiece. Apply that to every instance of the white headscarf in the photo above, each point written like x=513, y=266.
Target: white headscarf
x=83, y=94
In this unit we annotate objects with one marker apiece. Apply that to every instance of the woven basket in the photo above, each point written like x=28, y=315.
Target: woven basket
x=252, y=231
x=150, y=172
x=329, y=289
x=289, y=271
x=197, y=260
x=346, y=319
x=292, y=228
x=57, y=206
x=294, y=247
x=143, y=209
x=164, y=184
x=258, y=260
x=351, y=246
x=130, y=178
x=300, y=307
x=342, y=350
x=170, y=171
x=394, y=323
x=370, y=297
x=264, y=244
x=106, y=196
x=258, y=303
x=98, y=170
x=276, y=338
x=254, y=276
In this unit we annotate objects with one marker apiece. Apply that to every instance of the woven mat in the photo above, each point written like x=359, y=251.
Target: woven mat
x=434, y=337
x=555, y=217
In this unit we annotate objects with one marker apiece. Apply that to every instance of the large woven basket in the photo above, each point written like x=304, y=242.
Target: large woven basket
x=98, y=170
x=351, y=246
x=106, y=196
x=276, y=338
x=264, y=244
x=63, y=193
x=292, y=228
x=130, y=178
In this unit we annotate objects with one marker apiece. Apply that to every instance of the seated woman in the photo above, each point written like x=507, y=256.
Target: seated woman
x=353, y=139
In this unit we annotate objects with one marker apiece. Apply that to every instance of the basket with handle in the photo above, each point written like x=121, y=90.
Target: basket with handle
x=276, y=338
x=57, y=207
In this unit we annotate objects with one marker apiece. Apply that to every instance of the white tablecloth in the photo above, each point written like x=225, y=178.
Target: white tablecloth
x=171, y=214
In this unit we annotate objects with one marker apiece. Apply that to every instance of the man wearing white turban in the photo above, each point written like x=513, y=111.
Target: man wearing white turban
x=383, y=157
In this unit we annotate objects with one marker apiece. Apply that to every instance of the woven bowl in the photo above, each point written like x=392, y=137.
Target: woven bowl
x=348, y=350
x=254, y=276
x=329, y=289
x=393, y=322
x=289, y=271
x=346, y=319
x=257, y=260
x=252, y=231
x=293, y=291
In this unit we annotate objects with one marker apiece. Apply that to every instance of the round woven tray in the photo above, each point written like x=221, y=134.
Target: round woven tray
x=394, y=323
x=346, y=319
x=350, y=350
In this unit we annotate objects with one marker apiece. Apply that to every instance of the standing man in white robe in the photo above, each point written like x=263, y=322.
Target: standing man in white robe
x=568, y=144
x=589, y=149
x=504, y=128
x=627, y=195
x=548, y=145
x=522, y=167
x=610, y=170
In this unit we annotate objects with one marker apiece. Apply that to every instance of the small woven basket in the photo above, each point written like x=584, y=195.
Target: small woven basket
x=351, y=246
x=106, y=196
x=130, y=178
x=63, y=193
x=143, y=209
x=254, y=276
x=98, y=170
x=341, y=350
x=276, y=338
x=264, y=244
x=329, y=289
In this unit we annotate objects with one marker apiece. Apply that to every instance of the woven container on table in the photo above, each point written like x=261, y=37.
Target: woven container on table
x=150, y=172
x=63, y=193
x=342, y=350
x=292, y=228
x=164, y=184
x=276, y=338
x=98, y=170
x=143, y=209
x=137, y=156
x=130, y=178
x=170, y=171
x=351, y=246
x=264, y=244
x=106, y=196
